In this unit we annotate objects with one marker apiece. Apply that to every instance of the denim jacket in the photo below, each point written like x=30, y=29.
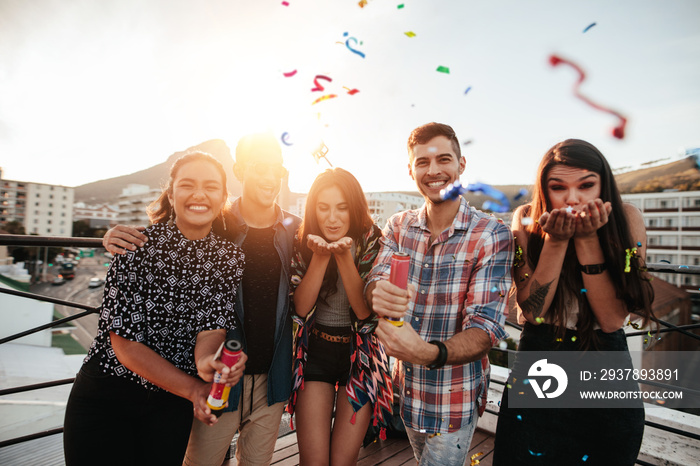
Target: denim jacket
x=279, y=378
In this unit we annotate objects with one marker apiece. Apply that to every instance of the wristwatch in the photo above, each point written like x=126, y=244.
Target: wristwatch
x=442, y=355
x=593, y=269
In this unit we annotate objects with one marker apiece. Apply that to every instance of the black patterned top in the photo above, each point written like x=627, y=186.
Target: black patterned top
x=164, y=294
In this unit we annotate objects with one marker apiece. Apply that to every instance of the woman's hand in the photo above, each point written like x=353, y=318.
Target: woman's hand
x=318, y=245
x=592, y=217
x=341, y=246
x=559, y=224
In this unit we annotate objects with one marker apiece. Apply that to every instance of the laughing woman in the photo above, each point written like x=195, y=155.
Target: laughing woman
x=165, y=306
x=334, y=250
x=575, y=290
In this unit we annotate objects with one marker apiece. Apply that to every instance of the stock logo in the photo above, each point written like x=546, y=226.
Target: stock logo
x=544, y=370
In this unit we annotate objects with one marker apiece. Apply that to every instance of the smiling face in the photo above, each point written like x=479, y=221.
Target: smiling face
x=433, y=166
x=571, y=187
x=332, y=214
x=197, y=197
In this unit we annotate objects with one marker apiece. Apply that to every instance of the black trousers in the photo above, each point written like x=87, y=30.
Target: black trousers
x=114, y=421
x=566, y=436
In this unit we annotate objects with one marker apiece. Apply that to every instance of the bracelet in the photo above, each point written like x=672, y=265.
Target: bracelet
x=593, y=269
x=442, y=355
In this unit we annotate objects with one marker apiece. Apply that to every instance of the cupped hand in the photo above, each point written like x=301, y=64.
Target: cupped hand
x=344, y=244
x=559, y=224
x=199, y=404
x=318, y=245
x=594, y=214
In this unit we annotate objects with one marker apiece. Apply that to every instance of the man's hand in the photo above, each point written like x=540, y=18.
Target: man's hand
x=207, y=366
x=199, y=403
x=405, y=344
x=121, y=238
x=389, y=300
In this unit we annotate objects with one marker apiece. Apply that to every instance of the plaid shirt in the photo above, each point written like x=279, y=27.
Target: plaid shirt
x=462, y=281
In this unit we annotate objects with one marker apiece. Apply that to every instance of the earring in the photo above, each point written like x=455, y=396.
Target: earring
x=171, y=220
x=223, y=220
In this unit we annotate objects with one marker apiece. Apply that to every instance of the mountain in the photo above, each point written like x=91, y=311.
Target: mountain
x=682, y=175
x=108, y=190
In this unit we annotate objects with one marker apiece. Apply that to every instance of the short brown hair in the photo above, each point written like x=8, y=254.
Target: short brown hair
x=428, y=131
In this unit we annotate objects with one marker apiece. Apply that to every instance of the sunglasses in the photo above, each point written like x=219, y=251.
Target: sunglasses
x=262, y=168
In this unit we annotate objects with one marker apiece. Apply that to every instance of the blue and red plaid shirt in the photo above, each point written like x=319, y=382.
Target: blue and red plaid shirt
x=462, y=281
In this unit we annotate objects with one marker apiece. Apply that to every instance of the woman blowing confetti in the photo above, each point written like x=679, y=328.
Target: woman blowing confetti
x=574, y=295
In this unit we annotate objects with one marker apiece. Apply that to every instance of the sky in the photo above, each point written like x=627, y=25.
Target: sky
x=93, y=89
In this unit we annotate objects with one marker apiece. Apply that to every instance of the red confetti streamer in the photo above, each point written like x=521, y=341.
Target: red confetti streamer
x=318, y=86
x=619, y=130
x=351, y=91
x=290, y=74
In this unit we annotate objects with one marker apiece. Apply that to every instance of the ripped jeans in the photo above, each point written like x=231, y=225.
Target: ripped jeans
x=442, y=449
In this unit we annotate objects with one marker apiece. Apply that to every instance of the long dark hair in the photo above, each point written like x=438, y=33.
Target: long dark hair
x=160, y=210
x=360, y=219
x=634, y=288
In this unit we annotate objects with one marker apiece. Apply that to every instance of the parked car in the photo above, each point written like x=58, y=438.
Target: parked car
x=95, y=282
x=58, y=281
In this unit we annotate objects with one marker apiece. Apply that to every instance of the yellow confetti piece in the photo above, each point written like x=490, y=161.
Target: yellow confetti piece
x=661, y=402
x=573, y=338
x=323, y=97
x=559, y=339
x=433, y=435
x=410, y=34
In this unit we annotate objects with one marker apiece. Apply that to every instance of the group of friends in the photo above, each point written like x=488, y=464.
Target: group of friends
x=309, y=299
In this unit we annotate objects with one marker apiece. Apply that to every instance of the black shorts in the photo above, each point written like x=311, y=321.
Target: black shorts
x=328, y=361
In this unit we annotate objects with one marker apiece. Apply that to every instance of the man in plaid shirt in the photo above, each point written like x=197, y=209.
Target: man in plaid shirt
x=454, y=310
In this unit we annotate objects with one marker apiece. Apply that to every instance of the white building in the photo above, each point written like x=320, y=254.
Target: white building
x=382, y=205
x=133, y=202
x=96, y=216
x=672, y=220
x=43, y=209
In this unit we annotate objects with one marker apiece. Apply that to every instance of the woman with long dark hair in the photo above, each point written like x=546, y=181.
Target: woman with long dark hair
x=579, y=274
x=165, y=311
x=334, y=250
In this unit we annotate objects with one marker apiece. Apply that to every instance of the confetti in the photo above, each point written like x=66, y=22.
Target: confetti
x=539, y=320
x=435, y=434
x=574, y=338
x=454, y=190
x=585, y=457
x=410, y=34
x=619, y=130
x=503, y=345
x=509, y=385
x=569, y=210
x=362, y=3
x=639, y=244
x=494, y=289
x=318, y=85
x=473, y=458
x=287, y=221
x=583, y=290
x=443, y=69
x=588, y=27
x=664, y=260
x=347, y=44
x=519, y=417
x=535, y=454
x=290, y=74
x=351, y=91
x=661, y=402
x=518, y=262
x=468, y=89
x=285, y=3
x=520, y=194
x=284, y=138
x=324, y=97
x=628, y=256
x=526, y=221
x=399, y=6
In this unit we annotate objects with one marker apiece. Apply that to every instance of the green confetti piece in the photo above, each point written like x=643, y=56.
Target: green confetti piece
x=443, y=69
x=400, y=6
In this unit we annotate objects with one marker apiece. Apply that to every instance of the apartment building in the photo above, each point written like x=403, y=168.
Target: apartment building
x=43, y=209
x=672, y=219
x=132, y=204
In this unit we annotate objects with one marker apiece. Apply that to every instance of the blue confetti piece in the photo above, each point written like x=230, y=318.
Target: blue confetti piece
x=585, y=457
x=520, y=418
x=468, y=89
x=526, y=382
x=494, y=289
x=583, y=290
x=520, y=194
x=588, y=27
x=639, y=244
x=535, y=454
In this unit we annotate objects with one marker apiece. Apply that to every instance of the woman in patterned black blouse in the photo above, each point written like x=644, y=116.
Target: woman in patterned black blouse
x=165, y=305
x=334, y=250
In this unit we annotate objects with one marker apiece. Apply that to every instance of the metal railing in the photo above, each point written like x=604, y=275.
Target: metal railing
x=21, y=240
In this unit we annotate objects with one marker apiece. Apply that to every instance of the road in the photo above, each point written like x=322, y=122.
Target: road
x=77, y=290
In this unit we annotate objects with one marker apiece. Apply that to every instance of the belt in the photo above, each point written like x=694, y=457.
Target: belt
x=331, y=338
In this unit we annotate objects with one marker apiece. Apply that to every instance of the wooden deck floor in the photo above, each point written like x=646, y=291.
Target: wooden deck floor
x=390, y=452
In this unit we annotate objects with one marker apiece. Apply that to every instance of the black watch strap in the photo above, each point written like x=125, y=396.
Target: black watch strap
x=442, y=355
x=593, y=269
